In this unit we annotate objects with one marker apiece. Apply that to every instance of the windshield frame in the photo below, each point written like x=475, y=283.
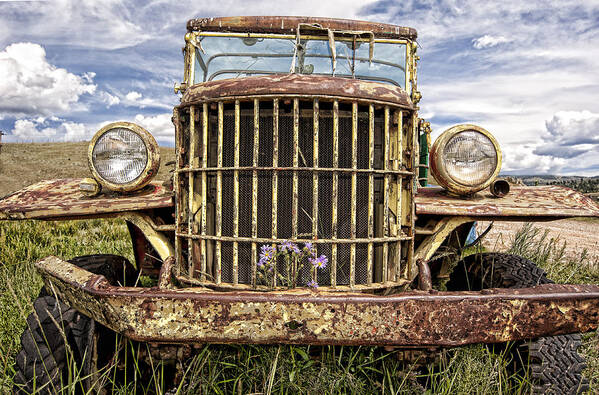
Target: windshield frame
x=194, y=43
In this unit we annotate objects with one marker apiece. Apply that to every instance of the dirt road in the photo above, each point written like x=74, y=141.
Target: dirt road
x=579, y=234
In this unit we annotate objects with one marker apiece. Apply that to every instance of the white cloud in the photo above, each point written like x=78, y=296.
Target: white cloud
x=520, y=92
x=160, y=126
x=573, y=128
x=103, y=24
x=55, y=129
x=39, y=130
x=521, y=159
x=75, y=132
x=27, y=130
x=571, y=135
x=568, y=144
x=108, y=99
x=525, y=108
x=442, y=21
x=31, y=85
x=136, y=99
x=89, y=77
x=116, y=24
x=133, y=96
x=488, y=41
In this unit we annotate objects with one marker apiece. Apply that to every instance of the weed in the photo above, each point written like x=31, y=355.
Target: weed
x=241, y=369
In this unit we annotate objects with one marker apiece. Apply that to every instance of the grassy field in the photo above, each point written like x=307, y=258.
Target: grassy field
x=247, y=369
x=26, y=163
x=274, y=369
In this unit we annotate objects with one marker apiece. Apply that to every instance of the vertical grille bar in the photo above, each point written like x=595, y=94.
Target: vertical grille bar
x=203, y=262
x=354, y=128
x=294, y=206
x=411, y=144
x=386, y=195
x=177, y=186
x=316, y=115
x=190, y=189
x=255, y=186
x=370, y=191
x=399, y=182
x=236, y=195
x=219, y=194
x=275, y=173
x=334, y=193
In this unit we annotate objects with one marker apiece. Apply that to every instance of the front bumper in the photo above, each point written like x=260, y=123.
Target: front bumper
x=417, y=318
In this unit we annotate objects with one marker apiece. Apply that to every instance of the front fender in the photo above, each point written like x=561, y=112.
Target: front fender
x=62, y=199
x=524, y=203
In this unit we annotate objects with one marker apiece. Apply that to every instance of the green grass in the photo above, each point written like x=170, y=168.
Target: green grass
x=270, y=369
x=22, y=244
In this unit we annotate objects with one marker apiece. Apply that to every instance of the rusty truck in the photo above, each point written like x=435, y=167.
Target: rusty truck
x=299, y=212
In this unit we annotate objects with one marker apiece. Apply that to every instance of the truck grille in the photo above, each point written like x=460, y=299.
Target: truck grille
x=253, y=172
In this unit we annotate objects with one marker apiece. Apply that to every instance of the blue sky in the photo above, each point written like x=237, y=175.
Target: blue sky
x=526, y=71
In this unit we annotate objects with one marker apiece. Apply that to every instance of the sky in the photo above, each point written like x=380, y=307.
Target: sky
x=526, y=71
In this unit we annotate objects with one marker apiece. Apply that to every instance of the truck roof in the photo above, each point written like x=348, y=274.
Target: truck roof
x=289, y=24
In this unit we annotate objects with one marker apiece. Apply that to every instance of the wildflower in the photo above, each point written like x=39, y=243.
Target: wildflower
x=312, y=284
x=309, y=249
x=288, y=246
x=267, y=254
x=320, y=262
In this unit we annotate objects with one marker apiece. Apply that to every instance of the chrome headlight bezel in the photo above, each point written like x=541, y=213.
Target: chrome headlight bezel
x=444, y=176
x=152, y=154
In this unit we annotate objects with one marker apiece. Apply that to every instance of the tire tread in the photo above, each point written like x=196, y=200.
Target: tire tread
x=555, y=365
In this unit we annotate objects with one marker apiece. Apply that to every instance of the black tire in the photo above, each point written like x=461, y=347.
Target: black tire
x=45, y=360
x=554, y=363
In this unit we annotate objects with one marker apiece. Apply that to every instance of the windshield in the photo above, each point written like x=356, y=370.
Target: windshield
x=219, y=57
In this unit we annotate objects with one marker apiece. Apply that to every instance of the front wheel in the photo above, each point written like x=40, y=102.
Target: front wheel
x=59, y=351
x=554, y=362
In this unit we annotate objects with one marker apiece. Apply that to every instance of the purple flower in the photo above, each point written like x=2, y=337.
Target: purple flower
x=288, y=246
x=309, y=248
x=320, y=262
x=267, y=254
x=312, y=284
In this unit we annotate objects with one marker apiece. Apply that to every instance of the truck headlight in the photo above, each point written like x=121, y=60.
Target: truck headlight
x=465, y=159
x=123, y=156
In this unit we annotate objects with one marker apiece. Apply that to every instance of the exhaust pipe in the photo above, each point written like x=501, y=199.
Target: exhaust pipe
x=499, y=188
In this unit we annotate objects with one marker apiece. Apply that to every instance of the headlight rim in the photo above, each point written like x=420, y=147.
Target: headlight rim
x=152, y=164
x=440, y=172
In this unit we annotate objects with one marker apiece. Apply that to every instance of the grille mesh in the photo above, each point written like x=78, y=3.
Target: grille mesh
x=353, y=160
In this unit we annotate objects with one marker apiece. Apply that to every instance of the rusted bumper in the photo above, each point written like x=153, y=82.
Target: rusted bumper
x=195, y=315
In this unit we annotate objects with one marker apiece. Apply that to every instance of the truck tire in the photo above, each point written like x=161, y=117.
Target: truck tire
x=45, y=360
x=554, y=363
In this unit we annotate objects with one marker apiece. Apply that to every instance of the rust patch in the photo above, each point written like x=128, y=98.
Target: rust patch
x=288, y=25
x=62, y=198
x=542, y=201
x=297, y=85
x=416, y=318
x=165, y=276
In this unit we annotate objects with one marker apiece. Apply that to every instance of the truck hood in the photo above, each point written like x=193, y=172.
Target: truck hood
x=298, y=85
